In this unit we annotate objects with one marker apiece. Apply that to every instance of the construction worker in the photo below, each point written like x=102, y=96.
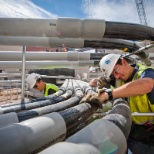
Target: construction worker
x=137, y=85
x=34, y=80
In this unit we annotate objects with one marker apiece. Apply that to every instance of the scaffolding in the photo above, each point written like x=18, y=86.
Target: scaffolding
x=141, y=11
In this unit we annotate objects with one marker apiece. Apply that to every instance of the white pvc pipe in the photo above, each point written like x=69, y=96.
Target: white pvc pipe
x=57, y=42
x=61, y=27
x=45, y=64
x=42, y=41
x=104, y=135
x=10, y=81
x=38, y=56
x=8, y=118
x=71, y=148
x=77, y=28
x=31, y=135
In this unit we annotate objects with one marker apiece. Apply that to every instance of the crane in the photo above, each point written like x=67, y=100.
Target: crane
x=141, y=11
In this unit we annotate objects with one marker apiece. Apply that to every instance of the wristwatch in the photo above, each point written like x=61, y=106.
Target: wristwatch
x=109, y=92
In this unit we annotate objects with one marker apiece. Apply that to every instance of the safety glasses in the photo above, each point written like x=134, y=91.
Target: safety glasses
x=115, y=72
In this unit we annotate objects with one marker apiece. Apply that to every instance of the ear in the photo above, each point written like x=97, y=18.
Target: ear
x=124, y=62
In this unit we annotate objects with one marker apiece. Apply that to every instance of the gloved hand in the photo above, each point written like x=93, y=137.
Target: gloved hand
x=149, y=127
x=102, y=82
x=93, y=99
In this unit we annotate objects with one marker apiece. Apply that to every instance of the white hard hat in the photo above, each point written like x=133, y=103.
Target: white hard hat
x=32, y=79
x=92, y=69
x=107, y=63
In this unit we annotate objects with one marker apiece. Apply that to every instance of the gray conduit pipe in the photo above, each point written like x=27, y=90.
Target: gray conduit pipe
x=38, y=133
x=53, y=56
x=32, y=135
x=8, y=118
x=42, y=41
x=40, y=56
x=106, y=43
x=70, y=148
x=101, y=134
x=60, y=91
x=45, y=64
x=105, y=135
x=83, y=85
x=77, y=89
x=74, y=28
x=61, y=27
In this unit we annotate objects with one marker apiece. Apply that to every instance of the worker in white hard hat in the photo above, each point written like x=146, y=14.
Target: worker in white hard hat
x=137, y=84
x=34, y=80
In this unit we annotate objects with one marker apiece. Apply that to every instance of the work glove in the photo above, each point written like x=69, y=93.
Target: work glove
x=102, y=82
x=93, y=98
x=149, y=127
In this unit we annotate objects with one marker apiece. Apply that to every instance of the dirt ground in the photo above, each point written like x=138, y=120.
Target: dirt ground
x=11, y=96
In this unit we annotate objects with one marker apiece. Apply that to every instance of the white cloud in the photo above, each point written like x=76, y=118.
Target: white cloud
x=109, y=10
x=117, y=10
x=21, y=9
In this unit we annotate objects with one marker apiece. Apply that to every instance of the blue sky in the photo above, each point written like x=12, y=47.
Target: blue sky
x=63, y=8
x=109, y=10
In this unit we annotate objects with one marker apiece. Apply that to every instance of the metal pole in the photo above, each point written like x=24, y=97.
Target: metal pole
x=23, y=75
x=142, y=114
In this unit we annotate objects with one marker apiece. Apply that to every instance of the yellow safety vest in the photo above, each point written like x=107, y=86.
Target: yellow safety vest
x=50, y=86
x=141, y=103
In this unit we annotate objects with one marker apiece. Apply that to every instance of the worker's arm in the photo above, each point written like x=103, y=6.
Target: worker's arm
x=134, y=88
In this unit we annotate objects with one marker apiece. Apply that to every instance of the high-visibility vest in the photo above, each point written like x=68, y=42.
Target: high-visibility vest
x=50, y=86
x=141, y=103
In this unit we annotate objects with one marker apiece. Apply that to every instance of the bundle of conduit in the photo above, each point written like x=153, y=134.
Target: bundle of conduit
x=58, y=123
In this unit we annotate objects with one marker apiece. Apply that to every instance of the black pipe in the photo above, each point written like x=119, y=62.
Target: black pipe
x=81, y=122
x=128, y=31
x=71, y=115
x=48, y=109
x=17, y=108
x=55, y=107
x=107, y=43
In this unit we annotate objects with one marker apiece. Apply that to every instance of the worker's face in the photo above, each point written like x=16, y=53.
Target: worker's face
x=120, y=71
x=39, y=86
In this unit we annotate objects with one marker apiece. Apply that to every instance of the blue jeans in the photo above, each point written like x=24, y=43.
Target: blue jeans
x=139, y=147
